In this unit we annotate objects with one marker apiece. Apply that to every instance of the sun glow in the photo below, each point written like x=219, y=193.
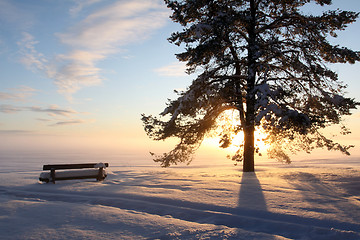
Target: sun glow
x=229, y=124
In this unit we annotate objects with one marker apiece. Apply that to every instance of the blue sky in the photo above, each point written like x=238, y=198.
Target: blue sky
x=84, y=68
x=77, y=74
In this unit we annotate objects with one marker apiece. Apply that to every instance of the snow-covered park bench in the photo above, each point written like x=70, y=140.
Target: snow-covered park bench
x=98, y=172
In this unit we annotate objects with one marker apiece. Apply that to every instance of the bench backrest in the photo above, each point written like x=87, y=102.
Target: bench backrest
x=72, y=166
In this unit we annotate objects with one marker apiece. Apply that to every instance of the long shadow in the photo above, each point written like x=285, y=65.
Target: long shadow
x=251, y=195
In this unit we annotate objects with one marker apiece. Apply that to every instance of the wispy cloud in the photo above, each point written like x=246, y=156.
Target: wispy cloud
x=15, y=132
x=69, y=122
x=80, y=5
x=19, y=94
x=104, y=32
x=15, y=16
x=57, y=115
x=177, y=69
x=43, y=119
x=31, y=58
x=4, y=108
x=53, y=111
x=101, y=34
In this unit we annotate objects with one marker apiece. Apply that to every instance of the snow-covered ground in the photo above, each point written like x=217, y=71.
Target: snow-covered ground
x=305, y=200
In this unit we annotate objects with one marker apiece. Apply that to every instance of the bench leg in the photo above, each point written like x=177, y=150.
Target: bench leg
x=100, y=176
x=52, y=176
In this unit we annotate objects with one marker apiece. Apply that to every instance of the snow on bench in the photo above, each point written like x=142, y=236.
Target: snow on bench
x=97, y=172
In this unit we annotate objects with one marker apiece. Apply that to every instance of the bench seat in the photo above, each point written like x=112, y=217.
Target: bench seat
x=98, y=172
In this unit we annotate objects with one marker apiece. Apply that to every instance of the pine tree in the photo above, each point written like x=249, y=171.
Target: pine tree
x=264, y=59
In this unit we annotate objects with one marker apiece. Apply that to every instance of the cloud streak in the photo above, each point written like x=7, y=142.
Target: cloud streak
x=69, y=122
x=5, y=108
x=19, y=94
x=15, y=132
x=60, y=116
x=80, y=5
x=31, y=58
x=53, y=111
x=101, y=34
x=14, y=16
x=177, y=69
x=104, y=32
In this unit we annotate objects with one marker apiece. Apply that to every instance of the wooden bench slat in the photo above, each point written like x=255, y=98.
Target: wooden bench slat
x=71, y=166
x=75, y=177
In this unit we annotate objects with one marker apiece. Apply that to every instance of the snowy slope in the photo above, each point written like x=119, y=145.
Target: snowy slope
x=305, y=200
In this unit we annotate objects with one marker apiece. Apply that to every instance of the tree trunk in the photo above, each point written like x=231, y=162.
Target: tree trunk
x=249, y=128
x=248, y=162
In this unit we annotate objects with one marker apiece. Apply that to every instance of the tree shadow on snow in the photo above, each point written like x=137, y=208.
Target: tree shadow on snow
x=251, y=194
x=252, y=205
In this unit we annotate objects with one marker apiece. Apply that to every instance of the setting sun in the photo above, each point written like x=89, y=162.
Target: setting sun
x=229, y=122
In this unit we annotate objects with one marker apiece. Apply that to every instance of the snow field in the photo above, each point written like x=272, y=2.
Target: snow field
x=298, y=201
